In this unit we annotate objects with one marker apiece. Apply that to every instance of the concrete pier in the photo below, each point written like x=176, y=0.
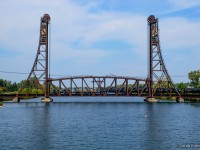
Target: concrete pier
x=46, y=99
x=150, y=100
x=179, y=100
x=16, y=99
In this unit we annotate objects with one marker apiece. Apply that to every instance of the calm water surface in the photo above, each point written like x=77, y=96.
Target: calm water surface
x=115, y=123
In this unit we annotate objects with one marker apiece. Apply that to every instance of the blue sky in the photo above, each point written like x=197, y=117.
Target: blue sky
x=99, y=37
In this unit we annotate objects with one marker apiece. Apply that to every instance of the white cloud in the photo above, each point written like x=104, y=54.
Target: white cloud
x=178, y=5
x=62, y=52
x=184, y=4
x=75, y=29
x=179, y=32
x=180, y=43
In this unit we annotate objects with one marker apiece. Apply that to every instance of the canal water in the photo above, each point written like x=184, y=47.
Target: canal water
x=90, y=123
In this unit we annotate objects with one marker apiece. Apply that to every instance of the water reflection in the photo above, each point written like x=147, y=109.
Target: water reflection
x=156, y=124
x=99, y=125
x=40, y=120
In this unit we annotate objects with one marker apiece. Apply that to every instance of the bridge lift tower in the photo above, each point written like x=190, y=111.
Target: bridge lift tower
x=40, y=70
x=157, y=72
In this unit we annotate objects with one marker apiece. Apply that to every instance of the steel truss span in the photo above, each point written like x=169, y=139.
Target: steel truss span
x=100, y=86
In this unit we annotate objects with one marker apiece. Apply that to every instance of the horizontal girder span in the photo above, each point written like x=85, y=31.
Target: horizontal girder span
x=99, y=85
x=90, y=76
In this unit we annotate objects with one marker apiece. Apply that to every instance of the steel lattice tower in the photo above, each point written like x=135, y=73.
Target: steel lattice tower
x=40, y=67
x=157, y=73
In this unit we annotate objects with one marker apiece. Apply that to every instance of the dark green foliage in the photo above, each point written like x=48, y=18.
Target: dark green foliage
x=30, y=88
x=194, y=77
x=7, y=86
x=182, y=85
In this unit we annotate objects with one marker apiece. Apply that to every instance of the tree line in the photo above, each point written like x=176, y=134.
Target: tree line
x=194, y=80
x=9, y=87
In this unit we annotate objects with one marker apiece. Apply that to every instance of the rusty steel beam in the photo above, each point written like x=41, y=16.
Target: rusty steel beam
x=118, y=92
x=134, y=86
x=87, y=86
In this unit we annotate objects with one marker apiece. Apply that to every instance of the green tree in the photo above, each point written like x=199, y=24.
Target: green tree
x=1, y=90
x=26, y=91
x=14, y=87
x=34, y=91
x=39, y=91
x=194, y=77
x=7, y=86
x=182, y=85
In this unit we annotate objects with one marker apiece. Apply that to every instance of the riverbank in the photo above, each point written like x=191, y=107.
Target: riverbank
x=195, y=100
x=21, y=98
